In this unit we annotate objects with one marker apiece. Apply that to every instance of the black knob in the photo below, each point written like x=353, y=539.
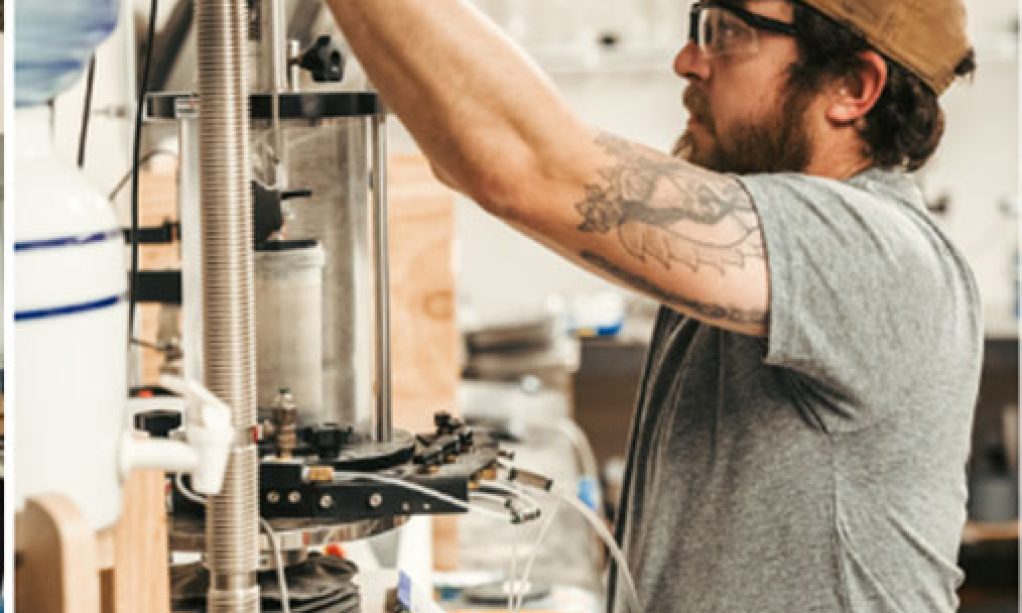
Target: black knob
x=159, y=423
x=328, y=439
x=324, y=60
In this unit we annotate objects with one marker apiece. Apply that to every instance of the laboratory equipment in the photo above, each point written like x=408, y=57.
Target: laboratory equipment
x=70, y=317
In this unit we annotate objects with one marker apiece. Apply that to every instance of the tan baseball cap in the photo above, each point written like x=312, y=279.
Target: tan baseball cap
x=926, y=37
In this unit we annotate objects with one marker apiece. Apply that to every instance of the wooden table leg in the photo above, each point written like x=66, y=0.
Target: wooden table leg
x=56, y=558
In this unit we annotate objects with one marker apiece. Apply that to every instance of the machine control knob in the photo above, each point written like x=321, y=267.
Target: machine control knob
x=324, y=60
x=328, y=439
x=159, y=423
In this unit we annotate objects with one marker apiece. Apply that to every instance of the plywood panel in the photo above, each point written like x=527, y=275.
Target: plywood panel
x=157, y=203
x=139, y=579
x=424, y=336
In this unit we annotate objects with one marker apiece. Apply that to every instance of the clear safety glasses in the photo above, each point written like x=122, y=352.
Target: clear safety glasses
x=729, y=30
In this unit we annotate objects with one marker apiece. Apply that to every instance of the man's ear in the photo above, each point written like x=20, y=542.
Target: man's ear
x=855, y=95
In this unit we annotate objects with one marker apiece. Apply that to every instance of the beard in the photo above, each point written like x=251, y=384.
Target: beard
x=778, y=143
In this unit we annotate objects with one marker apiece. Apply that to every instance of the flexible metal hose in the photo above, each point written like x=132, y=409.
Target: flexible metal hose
x=232, y=527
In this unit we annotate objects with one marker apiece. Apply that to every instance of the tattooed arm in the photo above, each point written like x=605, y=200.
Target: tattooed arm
x=692, y=237
x=493, y=127
x=684, y=236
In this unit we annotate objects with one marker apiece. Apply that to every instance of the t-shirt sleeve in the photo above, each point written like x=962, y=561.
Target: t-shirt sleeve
x=858, y=285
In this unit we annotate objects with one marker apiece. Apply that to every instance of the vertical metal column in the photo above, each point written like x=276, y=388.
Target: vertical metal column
x=232, y=553
x=189, y=197
x=382, y=425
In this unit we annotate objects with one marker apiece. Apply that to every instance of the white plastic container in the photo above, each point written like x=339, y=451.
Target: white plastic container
x=73, y=431
x=70, y=327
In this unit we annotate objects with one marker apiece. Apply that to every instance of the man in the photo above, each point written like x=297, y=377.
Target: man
x=802, y=428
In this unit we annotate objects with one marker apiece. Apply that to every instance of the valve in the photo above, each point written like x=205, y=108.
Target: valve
x=323, y=59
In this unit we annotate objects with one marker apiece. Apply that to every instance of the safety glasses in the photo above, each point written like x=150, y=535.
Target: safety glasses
x=729, y=30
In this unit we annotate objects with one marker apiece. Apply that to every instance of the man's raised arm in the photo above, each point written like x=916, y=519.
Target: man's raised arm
x=494, y=127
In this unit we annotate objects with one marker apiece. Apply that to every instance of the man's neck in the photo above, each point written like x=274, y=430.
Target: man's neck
x=838, y=163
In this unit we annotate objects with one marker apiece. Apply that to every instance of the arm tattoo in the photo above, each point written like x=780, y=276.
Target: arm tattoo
x=661, y=208
x=700, y=309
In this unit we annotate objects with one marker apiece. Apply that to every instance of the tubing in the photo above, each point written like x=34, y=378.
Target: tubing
x=516, y=604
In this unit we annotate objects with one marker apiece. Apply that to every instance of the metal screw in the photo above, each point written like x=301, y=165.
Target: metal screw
x=406, y=507
x=326, y=501
x=375, y=500
x=273, y=497
x=294, y=497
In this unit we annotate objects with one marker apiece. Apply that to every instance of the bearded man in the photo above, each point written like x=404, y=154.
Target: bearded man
x=800, y=436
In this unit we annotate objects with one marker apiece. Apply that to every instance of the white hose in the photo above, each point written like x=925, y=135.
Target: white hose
x=515, y=491
x=187, y=493
x=608, y=540
x=285, y=599
x=544, y=531
x=512, y=584
x=270, y=534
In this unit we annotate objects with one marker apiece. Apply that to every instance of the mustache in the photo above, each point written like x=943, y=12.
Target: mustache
x=698, y=107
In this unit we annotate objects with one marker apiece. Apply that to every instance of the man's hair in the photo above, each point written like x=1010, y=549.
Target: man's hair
x=905, y=126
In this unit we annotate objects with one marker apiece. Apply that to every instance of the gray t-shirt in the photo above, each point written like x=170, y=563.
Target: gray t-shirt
x=821, y=468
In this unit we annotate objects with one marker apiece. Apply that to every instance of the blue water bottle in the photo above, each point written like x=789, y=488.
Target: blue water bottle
x=55, y=40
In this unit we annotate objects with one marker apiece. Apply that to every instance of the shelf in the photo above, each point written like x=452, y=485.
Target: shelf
x=985, y=532
x=1001, y=329
x=582, y=60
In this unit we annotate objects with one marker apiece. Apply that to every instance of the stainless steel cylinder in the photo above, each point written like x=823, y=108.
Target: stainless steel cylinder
x=228, y=308
x=382, y=426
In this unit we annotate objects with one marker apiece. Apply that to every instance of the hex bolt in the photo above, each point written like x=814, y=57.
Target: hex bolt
x=273, y=497
x=294, y=497
x=375, y=500
x=326, y=501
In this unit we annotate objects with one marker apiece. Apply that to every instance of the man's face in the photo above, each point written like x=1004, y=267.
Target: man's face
x=743, y=117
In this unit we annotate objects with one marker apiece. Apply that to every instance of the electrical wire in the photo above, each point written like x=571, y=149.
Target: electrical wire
x=136, y=146
x=270, y=535
x=285, y=598
x=187, y=493
x=540, y=539
x=512, y=584
x=124, y=180
x=606, y=537
x=612, y=545
x=90, y=80
x=489, y=497
x=512, y=490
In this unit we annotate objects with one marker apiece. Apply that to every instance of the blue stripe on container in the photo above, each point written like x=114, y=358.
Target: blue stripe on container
x=70, y=309
x=68, y=241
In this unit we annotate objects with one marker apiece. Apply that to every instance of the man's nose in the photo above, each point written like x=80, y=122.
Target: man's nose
x=690, y=63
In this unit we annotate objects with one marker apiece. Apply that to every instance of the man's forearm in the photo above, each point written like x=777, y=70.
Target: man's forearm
x=466, y=94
